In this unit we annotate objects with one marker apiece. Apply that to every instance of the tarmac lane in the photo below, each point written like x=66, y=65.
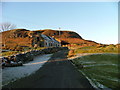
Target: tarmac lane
x=58, y=72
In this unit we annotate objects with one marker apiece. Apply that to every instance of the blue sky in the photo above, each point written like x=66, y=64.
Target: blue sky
x=97, y=21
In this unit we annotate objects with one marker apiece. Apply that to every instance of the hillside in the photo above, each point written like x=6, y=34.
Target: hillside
x=62, y=34
x=19, y=38
x=68, y=37
x=24, y=38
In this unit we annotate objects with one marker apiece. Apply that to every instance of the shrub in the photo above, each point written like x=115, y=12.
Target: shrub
x=18, y=48
x=71, y=53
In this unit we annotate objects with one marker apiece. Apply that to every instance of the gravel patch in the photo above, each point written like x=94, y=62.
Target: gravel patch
x=10, y=74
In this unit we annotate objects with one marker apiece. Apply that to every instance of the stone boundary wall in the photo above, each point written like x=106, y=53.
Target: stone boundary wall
x=28, y=56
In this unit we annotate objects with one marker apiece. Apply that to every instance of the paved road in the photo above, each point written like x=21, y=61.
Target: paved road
x=54, y=74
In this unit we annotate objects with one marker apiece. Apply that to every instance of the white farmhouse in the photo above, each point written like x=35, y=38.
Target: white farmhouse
x=50, y=42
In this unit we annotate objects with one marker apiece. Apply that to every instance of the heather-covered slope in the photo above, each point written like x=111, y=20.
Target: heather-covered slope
x=18, y=38
x=68, y=37
x=13, y=38
x=62, y=34
x=22, y=37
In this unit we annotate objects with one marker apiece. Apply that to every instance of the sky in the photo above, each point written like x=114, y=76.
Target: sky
x=96, y=21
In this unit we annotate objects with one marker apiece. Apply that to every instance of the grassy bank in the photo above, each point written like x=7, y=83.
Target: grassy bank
x=25, y=49
x=96, y=49
x=101, y=69
x=8, y=53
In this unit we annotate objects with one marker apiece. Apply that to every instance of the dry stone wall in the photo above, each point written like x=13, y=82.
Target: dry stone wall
x=28, y=56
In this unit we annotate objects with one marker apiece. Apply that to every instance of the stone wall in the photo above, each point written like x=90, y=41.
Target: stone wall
x=28, y=56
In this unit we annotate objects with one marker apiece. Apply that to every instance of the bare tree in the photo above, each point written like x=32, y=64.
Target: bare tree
x=6, y=26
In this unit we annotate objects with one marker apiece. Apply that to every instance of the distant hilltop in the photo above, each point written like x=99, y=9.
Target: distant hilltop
x=68, y=37
x=23, y=37
x=58, y=33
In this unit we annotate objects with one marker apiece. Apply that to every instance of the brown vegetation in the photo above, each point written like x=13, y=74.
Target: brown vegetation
x=57, y=33
x=68, y=38
x=18, y=38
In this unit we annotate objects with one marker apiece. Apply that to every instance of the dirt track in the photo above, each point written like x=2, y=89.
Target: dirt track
x=54, y=74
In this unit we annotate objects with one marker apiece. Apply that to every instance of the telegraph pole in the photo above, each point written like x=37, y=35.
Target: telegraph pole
x=59, y=36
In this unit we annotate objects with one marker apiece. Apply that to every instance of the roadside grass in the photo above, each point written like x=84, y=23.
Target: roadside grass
x=25, y=49
x=8, y=53
x=101, y=68
x=33, y=48
x=95, y=49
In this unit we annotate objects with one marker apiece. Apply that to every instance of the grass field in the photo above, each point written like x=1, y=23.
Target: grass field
x=100, y=69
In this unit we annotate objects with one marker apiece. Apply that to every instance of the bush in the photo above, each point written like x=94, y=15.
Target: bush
x=18, y=48
x=71, y=53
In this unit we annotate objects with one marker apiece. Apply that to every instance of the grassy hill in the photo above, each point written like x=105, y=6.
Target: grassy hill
x=68, y=37
x=58, y=34
x=18, y=38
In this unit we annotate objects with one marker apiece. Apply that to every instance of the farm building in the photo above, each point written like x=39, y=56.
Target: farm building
x=49, y=41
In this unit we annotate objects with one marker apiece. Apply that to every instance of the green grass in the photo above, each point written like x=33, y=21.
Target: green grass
x=102, y=68
x=32, y=48
x=9, y=53
x=95, y=49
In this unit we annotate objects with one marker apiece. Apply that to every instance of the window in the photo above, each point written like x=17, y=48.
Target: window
x=46, y=43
